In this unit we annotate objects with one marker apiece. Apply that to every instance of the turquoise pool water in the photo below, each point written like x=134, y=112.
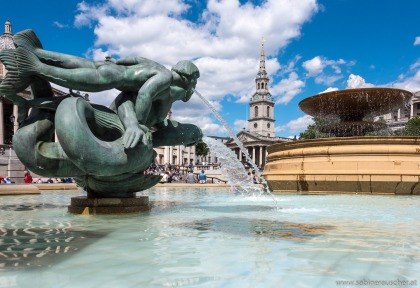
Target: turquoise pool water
x=211, y=237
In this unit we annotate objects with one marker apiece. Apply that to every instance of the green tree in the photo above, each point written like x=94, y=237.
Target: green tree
x=312, y=131
x=412, y=128
x=201, y=149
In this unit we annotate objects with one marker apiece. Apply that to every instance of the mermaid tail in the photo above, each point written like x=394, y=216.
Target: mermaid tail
x=27, y=39
x=21, y=65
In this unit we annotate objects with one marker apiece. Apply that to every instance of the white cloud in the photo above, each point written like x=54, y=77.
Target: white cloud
x=410, y=80
x=287, y=88
x=315, y=66
x=356, y=81
x=324, y=70
x=218, y=42
x=239, y=125
x=297, y=125
x=411, y=83
x=417, y=41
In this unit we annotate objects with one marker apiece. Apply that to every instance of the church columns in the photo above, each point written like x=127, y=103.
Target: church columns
x=253, y=155
x=261, y=155
x=15, y=122
x=171, y=154
x=1, y=121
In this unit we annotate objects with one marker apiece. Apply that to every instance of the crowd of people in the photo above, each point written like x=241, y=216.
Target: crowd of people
x=175, y=173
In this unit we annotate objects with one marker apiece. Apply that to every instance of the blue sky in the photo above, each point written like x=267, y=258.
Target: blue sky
x=311, y=46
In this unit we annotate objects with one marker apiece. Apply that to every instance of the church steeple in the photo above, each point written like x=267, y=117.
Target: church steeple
x=261, y=104
x=261, y=81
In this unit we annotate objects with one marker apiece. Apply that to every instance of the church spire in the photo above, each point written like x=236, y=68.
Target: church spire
x=261, y=81
x=262, y=59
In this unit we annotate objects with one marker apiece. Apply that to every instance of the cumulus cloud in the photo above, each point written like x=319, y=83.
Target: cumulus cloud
x=218, y=42
x=287, y=88
x=324, y=70
x=411, y=80
x=417, y=41
x=240, y=125
x=315, y=66
x=356, y=81
x=296, y=126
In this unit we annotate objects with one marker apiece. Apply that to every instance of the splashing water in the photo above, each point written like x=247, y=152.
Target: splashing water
x=232, y=168
x=237, y=141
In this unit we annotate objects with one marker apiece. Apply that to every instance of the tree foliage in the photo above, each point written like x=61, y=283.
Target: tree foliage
x=201, y=149
x=312, y=131
x=412, y=128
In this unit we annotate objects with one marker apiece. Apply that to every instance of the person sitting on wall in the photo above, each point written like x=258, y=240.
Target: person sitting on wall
x=190, y=177
x=27, y=178
x=8, y=180
x=202, y=177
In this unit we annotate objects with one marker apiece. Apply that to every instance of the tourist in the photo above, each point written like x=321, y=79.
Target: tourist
x=27, y=178
x=190, y=177
x=165, y=177
x=50, y=181
x=39, y=181
x=202, y=177
x=191, y=166
x=8, y=180
x=254, y=179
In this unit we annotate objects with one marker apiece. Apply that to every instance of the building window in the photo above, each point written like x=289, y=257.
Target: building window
x=418, y=105
x=268, y=125
x=256, y=111
x=268, y=134
x=268, y=111
x=255, y=125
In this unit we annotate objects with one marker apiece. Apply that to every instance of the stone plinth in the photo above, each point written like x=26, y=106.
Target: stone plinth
x=365, y=165
x=84, y=205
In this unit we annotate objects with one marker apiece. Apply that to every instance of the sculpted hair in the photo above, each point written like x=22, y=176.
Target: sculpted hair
x=186, y=68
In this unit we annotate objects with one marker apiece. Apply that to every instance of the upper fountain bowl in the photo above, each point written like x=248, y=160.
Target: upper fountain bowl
x=355, y=104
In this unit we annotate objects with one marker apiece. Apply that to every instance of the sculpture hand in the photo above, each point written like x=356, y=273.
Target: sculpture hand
x=132, y=136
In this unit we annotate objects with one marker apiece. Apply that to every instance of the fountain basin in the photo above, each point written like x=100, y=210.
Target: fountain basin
x=370, y=165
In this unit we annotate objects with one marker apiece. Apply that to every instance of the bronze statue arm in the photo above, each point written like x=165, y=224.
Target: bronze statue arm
x=127, y=61
x=151, y=90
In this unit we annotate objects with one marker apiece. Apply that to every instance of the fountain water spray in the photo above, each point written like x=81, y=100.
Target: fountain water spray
x=231, y=167
x=237, y=141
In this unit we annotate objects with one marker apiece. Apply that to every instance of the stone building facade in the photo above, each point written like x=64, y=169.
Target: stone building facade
x=398, y=118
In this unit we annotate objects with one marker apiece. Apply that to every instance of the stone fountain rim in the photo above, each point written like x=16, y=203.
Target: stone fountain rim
x=336, y=141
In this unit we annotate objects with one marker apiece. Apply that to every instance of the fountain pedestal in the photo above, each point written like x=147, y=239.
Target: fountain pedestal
x=85, y=205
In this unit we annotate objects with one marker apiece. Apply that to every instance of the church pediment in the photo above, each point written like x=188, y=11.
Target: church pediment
x=244, y=137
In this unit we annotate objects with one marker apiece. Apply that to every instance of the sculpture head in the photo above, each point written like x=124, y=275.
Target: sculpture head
x=186, y=79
